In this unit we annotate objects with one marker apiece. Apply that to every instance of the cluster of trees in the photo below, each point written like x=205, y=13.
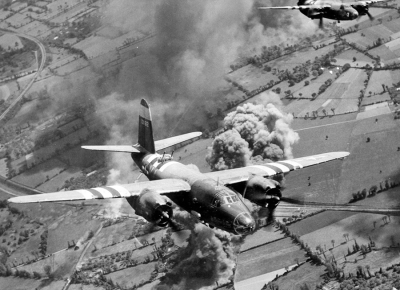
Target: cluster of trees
x=365, y=279
x=122, y=260
x=296, y=238
x=383, y=186
x=43, y=243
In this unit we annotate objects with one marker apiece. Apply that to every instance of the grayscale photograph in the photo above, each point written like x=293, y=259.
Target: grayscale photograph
x=199, y=144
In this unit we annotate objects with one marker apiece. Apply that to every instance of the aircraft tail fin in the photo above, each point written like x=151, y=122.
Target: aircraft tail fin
x=146, y=140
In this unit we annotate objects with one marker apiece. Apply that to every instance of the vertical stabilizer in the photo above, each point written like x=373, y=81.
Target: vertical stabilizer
x=146, y=140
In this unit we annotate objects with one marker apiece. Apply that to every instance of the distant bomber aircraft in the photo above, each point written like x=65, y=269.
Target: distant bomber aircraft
x=213, y=198
x=330, y=9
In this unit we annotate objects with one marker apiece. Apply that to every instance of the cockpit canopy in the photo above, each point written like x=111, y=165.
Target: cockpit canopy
x=165, y=157
x=224, y=196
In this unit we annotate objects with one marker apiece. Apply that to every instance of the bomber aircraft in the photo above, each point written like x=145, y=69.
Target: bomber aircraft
x=215, y=198
x=331, y=9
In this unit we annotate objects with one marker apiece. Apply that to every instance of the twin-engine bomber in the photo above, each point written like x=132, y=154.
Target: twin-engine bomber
x=331, y=9
x=215, y=198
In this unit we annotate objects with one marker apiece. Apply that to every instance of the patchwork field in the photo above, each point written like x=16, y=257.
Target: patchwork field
x=268, y=258
x=307, y=274
x=251, y=77
x=41, y=173
x=365, y=38
x=348, y=57
x=375, y=99
x=133, y=275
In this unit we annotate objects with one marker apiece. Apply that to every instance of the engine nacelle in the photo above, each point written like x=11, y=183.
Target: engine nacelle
x=263, y=192
x=152, y=206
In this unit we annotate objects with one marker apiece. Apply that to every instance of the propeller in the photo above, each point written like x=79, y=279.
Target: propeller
x=394, y=211
x=321, y=23
x=370, y=16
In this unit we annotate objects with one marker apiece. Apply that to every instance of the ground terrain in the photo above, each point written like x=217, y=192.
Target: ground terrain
x=343, y=104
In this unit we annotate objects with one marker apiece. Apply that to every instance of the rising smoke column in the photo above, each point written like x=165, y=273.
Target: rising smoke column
x=194, y=44
x=253, y=134
x=208, y=258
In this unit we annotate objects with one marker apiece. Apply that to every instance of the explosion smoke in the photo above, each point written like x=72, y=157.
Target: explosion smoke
x=208, y=258
x=253, y=134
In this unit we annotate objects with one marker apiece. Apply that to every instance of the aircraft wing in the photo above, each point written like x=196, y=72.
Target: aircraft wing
x=165, y=143
x=232, y=176
x=363, y=3
x=163, y=186
x=112, y=148
x=315, y=7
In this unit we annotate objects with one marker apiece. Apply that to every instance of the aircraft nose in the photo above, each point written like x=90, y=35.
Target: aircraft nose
x=354, y=15
x=244, y=223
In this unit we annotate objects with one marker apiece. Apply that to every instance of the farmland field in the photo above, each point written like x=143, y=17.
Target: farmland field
x=375, y=99
x=307, y=274
x=384, y=53
x=393, y=25
x=314, y=85
x=133, y=275
x=268, y=258
x=347, y=57
x=39, y=174
x=7, y=283
x=371, y=34
x=55, y=183
x=63, y=263
x=378, y=78
x=299, y=57
x=69, y=223
x=375, y=259
x=84, y=287
x=377, y=166
x=251, y=77
x=262, y=236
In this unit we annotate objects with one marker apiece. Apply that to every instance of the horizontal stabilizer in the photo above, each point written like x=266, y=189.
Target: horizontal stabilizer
x=113, y=148
x=165, y=143
x=163, y=187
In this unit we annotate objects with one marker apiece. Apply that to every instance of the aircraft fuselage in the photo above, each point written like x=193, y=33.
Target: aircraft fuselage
x=212, y=203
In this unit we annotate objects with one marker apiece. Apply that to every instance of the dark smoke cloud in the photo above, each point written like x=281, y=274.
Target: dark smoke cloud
x=195, y=43
x=208, y=258
x=253, y=134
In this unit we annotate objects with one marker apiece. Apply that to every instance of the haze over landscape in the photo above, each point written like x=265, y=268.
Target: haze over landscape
x=261, y=86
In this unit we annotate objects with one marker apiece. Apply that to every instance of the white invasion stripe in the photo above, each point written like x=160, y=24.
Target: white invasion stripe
x=294, y=163
x=151, y=157
x=268, y=170
x=162, y=168
x=122, y=190
x=86, y=194
x=104, y=192
x=280, y=166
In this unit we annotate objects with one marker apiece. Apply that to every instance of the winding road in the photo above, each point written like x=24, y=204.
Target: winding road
x=40, y=68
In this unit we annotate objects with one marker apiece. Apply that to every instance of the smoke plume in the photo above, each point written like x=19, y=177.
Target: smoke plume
x=180, y=71
x=208, y=258
x=253, y=134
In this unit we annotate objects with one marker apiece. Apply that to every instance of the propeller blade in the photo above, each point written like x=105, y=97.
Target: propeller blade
x=395, y=211
x=370, y=16
x=321, y=23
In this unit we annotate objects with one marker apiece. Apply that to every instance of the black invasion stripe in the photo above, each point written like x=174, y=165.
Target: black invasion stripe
x=290, y=166
x=113, y=191
x=96, y=193
x=276, y=169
